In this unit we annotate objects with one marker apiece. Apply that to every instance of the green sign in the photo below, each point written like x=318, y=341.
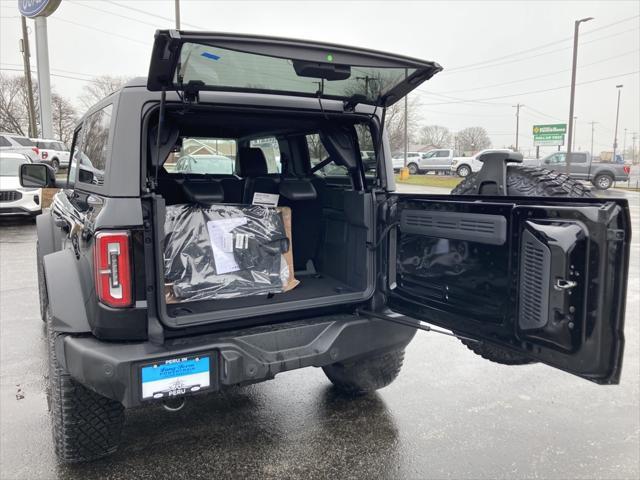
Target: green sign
x=548, y=139
x=549, y=135
x=555, y=128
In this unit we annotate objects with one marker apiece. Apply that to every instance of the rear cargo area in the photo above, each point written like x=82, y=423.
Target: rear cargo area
x=331, y=226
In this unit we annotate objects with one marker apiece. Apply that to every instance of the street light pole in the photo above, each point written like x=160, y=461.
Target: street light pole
x=573, y=88
x=573, y=146
x=615, y=137
x=177, y=14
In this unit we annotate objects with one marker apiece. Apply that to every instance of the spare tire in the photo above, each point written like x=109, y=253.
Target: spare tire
x=530, y=182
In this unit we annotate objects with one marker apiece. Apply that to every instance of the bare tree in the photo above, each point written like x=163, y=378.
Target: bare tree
x=64, y=118
x=435, y=136
x=394, y=123
x=14, y=107
x=100, y=87
x=473, y=139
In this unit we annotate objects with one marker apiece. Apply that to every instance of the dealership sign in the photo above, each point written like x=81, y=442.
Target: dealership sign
x=37, y=8
x=549, y=135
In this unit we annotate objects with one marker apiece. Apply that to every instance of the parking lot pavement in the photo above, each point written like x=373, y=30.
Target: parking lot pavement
x=450, y=414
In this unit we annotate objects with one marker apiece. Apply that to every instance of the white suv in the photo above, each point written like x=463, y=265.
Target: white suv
x=53, y=152
x=11, y=142
x=14, y=198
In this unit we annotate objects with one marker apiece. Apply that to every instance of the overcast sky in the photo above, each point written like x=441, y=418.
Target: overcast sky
x=490, y=51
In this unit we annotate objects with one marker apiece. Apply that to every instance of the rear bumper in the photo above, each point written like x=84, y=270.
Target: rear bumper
x=246, y=356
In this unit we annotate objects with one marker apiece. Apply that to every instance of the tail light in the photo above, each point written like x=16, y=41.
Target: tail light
x=36, y=150
x=112, y=266
x=626, y=169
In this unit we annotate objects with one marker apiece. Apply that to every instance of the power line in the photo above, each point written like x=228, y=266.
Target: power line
x=537, y=91
x=154, y=25
x=540, y=47
x=456, y=71
x=94, y=29
x=540, y=76
x=53, y=75
x=138, y=10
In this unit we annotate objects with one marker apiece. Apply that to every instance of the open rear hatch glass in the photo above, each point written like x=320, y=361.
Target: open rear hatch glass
x=232, y=62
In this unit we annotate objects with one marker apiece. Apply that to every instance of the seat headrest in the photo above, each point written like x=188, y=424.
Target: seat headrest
x=203, y=192
x=251, y=162
x=295, y=189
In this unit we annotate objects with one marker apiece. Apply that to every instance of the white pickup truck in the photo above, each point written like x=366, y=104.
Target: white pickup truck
x=463, y=166
x=438, y=160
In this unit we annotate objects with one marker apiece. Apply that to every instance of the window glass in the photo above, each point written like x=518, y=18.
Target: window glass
x=25, y=142
x=578, y=157
x=271, y=151
x=95, y=147
x=4, y=142
x=203, y=156
x=317, y=154
x=556, y=158
x=10, y=166
x=75, y=157
x=443, y=154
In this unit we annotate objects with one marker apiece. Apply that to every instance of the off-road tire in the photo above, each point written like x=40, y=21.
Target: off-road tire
x=42, y=285
x=522, y=181
x=366, y=375
x=86, y=426
x=531, y=182
x=603, y=182
x=464, y=171
x=413, y=169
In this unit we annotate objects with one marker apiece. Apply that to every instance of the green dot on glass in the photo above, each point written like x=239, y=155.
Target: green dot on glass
x=329, y=58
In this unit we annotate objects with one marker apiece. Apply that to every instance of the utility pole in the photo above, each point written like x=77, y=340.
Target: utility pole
x=573, y=146
x=592, y=128
x=633, y=154
x=615, y=137
x=406, y=136
x=624, y=143
x=24, y=48
x=573, y=87
x=177, y=14
x=517, y=107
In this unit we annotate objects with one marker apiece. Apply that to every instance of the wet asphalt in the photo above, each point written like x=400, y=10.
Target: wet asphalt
x=450, y=414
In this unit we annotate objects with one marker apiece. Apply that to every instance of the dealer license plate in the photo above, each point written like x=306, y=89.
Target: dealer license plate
x=175, y=377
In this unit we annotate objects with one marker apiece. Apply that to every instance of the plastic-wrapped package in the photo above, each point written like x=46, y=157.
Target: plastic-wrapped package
x=226, y=251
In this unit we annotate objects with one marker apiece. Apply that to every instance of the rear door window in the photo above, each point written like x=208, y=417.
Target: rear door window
x=203, y=156
x=75, y=158
x=318, y=154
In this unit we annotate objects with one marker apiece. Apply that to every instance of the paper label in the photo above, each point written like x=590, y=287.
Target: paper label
x=266, y=199
x=220, y=235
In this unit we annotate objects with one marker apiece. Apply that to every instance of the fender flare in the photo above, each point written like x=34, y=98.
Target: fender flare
x=49, y=236
x=64, y=289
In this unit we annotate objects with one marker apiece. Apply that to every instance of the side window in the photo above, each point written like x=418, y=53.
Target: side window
x=75, y=157
x=96, y=147
x=271, y=151
x=4, y=142
x=318, y=154
x=578, y=158
x=556, y=159
x=443, y=154
x=367, y=150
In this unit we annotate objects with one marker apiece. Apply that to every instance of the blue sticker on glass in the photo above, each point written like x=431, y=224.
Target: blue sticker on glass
x=210, y=56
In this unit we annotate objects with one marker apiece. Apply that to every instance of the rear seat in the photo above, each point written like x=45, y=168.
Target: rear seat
x=299, y=194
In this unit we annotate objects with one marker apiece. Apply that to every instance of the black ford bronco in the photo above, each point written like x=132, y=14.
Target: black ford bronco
x=522, y=264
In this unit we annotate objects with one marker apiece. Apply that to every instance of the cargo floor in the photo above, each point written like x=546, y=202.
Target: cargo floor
x=311, y=286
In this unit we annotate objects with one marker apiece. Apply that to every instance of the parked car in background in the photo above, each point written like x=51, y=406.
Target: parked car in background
x=463, y=166
x=437, y=161
x=205, y=164
x=53, y=152
x=413, y=158
x=583, y=167
x=15, y=199
x=10, y=142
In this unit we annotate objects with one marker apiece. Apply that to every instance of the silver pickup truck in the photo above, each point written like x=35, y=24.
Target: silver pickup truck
x=582, y=167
